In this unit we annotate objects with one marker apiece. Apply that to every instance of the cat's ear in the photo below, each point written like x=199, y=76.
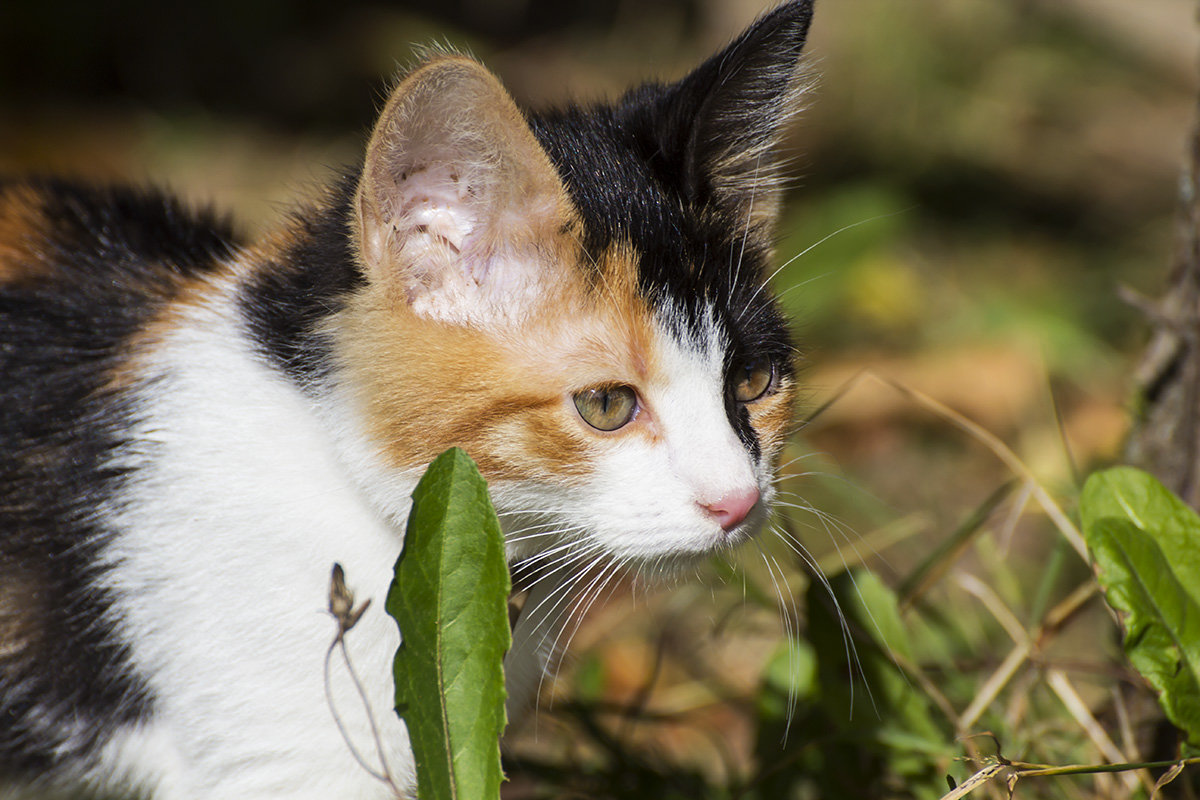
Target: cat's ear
x=732, y=112
x=457, y=199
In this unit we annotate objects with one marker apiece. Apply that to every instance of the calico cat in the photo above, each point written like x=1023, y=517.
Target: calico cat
x=194, y=429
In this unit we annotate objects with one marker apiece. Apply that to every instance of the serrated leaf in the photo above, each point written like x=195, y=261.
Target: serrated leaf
x=449, y=595
x=1145, y=543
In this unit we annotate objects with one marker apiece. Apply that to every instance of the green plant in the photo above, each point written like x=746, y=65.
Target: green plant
x=1146, y=545
x=449, y=597
x=895, y=736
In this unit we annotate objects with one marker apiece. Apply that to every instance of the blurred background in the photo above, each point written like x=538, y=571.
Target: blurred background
x=974, y=181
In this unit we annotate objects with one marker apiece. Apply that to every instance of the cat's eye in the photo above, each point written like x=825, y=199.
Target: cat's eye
x=607, y=408
x=752, y=378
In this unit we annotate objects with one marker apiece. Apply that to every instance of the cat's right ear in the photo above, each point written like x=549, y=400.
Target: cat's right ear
x=457, y=198
x=730, y=114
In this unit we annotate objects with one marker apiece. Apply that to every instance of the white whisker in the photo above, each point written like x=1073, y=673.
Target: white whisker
x=851, y=650
x=816, y=244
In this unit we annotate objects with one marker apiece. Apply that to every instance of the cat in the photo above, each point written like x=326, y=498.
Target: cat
x=194, y=429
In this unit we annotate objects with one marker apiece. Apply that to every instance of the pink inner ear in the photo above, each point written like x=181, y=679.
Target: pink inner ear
x=436, y=220
x=436, y=201
x=458, y=254
x=455, y=246
x=457, y=198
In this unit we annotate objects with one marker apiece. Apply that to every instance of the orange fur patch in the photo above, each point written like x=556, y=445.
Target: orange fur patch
x=426, y=386
x=23, y=227
x=502, y=395
x=772, y=416
x=20, y=598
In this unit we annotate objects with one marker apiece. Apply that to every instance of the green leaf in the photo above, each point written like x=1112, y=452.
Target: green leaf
x=1146, y=546
x=450, y=598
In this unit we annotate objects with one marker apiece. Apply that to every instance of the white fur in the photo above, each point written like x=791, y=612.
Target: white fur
x=660, y=513
x=221, y=579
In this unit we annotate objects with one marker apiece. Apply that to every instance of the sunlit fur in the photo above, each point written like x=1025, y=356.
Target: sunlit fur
x=198, y=429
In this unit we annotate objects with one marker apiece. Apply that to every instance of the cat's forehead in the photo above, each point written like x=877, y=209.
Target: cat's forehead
x=644, y=330
x=699, y=268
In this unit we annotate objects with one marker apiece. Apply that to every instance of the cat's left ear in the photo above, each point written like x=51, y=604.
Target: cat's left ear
x=733, y=110
x=458, y=204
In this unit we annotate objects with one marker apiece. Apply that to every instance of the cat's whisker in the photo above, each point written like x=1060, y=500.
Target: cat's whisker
x=779, y=470
x=816, y=244
x=575, y=596
x=784, y=478
x=851, y=649
x=540, y=532
x=549, y=530
x=780, y=295
x=800, y=503
x=555, y=564
x=828, y=522
x=567, y=592
x=790, y=614
x=529, y=512
x=532, y=519
x=537, y=568
x=592, y=593
x=547, y=533
x=838, y=532
x=582, y=602
x=879, y=632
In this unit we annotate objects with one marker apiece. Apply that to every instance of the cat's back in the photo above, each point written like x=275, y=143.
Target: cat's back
x=82, y=270
x=117, y=243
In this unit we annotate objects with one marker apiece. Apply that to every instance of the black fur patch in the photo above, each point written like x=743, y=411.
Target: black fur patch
x=108, y=259
x=121, y=240
x=645, y=171
x=308, y=281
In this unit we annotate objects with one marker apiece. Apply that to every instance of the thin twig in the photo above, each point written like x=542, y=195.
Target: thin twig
x=337, y=718
x=342, y=609
x=1012, y=771
x=1061, y=521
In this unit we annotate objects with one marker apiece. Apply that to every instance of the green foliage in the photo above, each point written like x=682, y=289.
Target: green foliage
x=1146, y=545
x=449, y=597
x=861, y=724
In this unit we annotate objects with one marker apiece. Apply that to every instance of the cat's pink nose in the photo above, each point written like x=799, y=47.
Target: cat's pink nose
x=733, y=508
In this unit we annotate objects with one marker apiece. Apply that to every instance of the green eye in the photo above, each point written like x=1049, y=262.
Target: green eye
x=607, y=408
x=752, y=378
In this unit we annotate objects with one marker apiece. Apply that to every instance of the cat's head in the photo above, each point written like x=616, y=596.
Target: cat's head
x=579, y=298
